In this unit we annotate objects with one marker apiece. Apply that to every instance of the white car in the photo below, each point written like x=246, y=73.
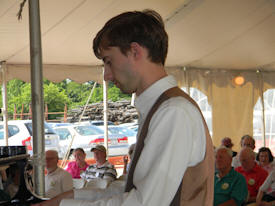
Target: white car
x=20, y=133
x=87, y=136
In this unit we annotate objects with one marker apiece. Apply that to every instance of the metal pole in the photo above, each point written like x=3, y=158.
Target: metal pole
x=133, y=99
x=5, y=100
x=37, y=95
x=260, y=78
x=105, y=113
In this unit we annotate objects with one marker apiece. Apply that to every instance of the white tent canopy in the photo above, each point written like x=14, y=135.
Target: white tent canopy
x=216, y=35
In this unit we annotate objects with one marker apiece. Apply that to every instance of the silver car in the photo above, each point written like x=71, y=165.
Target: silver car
x=87, y=136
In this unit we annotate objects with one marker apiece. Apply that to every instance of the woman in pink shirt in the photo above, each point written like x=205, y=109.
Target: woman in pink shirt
x=79, y=165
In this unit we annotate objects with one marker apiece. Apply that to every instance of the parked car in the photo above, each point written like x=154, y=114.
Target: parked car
x=20, y=133
x=133, y=126
x=87, y=136
x=124, y=131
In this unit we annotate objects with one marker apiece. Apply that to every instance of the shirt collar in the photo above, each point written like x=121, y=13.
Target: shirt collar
x=230, y=173
x=146, y=99
x=55, y=171
x=103, y=165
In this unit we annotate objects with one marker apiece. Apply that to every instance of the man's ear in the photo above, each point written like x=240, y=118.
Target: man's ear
x=136, y=50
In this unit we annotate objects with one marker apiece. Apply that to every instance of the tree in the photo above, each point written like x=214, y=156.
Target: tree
x=56, y=95
x=55, y=98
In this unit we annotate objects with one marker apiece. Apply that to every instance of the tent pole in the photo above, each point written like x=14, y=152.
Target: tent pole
x=105, y=112
x=133, y=99
x=3, y=67
x=37, y=96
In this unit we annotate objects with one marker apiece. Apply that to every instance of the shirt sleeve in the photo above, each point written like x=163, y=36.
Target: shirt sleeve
x=110, y=174
x=67, y=182
x=267, y=183
x=262, y=178
x=240, y=191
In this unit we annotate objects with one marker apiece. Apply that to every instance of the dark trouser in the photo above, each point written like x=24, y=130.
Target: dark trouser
x=268, y=198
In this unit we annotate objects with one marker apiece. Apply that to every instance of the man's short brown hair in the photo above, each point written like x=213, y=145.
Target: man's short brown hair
x=143, y=27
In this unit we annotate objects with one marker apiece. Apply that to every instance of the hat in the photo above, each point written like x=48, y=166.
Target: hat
x=99, y=147
x=227, y=142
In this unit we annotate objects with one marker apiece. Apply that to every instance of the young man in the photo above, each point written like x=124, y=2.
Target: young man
x=102, y=168
x=173, y=162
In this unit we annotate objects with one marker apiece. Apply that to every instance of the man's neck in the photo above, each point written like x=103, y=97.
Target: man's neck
x=51, y=170
x=100, y=163
x=224, y=172
x=152, y=73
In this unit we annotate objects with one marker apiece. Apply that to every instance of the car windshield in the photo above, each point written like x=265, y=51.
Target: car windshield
x=47, y=128
x=88, y=130
x=122, y=131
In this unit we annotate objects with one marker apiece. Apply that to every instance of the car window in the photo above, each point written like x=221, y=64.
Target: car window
x=122, y=131
x=47, y=128
x=63, y=133
x=88, y=130
x=13, y=130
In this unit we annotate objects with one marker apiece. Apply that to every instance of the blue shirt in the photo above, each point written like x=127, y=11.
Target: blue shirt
x=231, y=186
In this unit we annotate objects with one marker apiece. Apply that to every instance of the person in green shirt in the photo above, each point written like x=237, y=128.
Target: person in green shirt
x=230, y=186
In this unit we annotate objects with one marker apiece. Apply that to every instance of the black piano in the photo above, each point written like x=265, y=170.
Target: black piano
x=16, y=159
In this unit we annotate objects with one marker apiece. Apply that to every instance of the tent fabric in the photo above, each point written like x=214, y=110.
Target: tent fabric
x=232, y=105
x=209, y=34
x=210, y=42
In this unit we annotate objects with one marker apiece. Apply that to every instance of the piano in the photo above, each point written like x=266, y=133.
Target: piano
x=16, y=159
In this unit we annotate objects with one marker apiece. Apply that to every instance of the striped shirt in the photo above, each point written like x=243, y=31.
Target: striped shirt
x=105, y=171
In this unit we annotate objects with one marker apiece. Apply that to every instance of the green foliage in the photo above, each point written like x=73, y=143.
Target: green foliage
x=57, y=95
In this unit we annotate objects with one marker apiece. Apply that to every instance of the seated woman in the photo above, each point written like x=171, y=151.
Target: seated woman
x=266, y=194
x=265, y=159
x=79, y=165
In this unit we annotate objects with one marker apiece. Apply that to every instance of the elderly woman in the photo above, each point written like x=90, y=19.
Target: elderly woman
x=78, y=166
x=265, y=159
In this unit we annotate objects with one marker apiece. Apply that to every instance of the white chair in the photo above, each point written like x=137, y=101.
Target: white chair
x=78, y=183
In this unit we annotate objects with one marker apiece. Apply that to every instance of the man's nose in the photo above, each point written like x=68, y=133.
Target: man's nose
x=108, y=76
